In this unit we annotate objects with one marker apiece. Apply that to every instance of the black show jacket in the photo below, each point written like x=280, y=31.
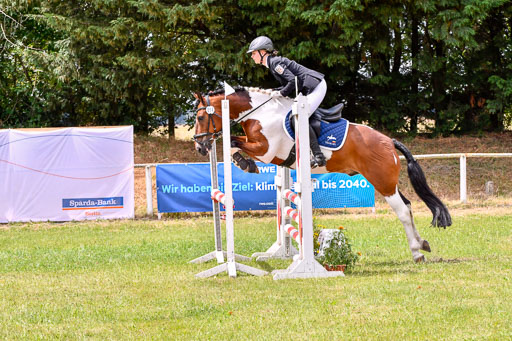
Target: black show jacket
x=285, y=70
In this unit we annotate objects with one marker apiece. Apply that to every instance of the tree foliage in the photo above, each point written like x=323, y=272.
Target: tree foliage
x=398, y=65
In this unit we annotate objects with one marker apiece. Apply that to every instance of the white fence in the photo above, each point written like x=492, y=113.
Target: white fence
x=461, y=156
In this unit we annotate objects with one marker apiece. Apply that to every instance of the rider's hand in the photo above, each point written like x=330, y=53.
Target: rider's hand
x=276, y=94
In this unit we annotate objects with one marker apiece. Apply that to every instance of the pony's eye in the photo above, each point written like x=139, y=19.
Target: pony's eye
x=200, y=118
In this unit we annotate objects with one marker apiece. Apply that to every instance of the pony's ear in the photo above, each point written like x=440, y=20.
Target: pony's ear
x=199, y=97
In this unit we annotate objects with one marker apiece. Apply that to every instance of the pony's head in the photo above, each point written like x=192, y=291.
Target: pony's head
x=208, y=125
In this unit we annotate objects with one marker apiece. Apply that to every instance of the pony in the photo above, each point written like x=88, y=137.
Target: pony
x=365, y=151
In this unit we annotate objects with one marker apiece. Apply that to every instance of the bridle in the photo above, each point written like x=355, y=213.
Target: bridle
x=210, y=110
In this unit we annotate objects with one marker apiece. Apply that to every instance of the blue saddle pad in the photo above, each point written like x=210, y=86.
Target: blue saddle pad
x=332, y=135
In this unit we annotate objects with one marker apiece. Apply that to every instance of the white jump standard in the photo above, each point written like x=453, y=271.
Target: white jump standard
x=304, y=265
x=231, y=266
x=218, y=254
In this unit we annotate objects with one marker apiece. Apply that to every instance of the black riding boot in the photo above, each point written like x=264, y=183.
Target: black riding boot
x=318, y=158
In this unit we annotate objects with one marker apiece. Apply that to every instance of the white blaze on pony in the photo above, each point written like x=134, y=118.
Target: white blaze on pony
x=365, y=151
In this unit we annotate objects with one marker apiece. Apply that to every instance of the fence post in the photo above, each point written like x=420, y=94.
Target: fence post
x=463, y=186
x=489, y=188
x=149, y=191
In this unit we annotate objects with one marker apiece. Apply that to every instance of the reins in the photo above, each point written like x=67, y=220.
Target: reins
x=235, y=121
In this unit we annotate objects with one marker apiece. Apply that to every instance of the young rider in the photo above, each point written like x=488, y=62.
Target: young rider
x=310, y=83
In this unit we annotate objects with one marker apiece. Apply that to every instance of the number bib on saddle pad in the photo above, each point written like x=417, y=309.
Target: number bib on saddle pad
x=332, y=135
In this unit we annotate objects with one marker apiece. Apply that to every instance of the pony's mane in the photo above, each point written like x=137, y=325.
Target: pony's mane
x=263, y=91
x=221, y=91
x=241, y=89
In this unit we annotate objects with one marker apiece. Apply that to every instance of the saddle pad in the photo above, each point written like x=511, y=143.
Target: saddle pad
x=332, y=135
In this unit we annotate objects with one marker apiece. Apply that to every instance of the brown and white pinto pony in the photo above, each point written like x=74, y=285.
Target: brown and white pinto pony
x=365, y=151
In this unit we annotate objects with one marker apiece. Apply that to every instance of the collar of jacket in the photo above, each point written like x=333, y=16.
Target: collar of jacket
x=266, y=61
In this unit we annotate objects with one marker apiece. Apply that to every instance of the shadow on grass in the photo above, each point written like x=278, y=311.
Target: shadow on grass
x=448, y=261
x=388, y=267
x=406, y=262
x=374, y=273
x=267, y=267
x=401, y=266
x=383, y=268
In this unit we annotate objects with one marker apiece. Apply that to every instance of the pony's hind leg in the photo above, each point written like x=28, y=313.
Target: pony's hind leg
x=404, y=213
x=425, y=246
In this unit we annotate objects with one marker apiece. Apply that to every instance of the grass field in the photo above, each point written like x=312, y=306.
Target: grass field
x=131, y=280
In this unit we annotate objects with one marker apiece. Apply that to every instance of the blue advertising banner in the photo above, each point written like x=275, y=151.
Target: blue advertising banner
x=187, y=187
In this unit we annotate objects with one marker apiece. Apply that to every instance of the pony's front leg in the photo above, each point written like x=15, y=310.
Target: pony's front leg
x=247, y=165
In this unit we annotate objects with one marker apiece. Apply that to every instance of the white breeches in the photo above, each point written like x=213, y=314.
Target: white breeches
x=317, y=96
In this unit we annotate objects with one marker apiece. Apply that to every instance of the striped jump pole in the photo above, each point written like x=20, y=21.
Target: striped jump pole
x=292, y=196
x=226, y=198
x=292, y=231
x=292, y=213
x=218, y=196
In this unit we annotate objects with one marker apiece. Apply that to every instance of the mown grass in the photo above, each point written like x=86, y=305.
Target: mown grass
x=132, y=280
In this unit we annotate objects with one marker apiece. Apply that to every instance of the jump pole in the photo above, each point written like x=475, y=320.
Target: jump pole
x=231, y=266
x=304, y=265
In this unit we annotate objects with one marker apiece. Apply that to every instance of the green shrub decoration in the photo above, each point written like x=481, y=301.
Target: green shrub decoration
x=338, y=252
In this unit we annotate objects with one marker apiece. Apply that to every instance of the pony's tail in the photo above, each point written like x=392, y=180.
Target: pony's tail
x=441, y=215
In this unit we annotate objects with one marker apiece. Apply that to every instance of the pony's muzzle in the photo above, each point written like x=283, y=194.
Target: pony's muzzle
x=203, y=147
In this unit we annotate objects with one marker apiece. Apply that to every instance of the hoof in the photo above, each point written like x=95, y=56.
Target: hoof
x=243, y=165
x=420, y=259
x=240, y=162
x=425, y=246
x=252, y=167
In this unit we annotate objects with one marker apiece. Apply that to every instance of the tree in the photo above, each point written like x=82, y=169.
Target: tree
x=26, y=90
x=396, y=64
x=131, y=61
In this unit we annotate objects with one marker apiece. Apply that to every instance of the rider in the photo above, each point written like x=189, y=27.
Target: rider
x=310, y=83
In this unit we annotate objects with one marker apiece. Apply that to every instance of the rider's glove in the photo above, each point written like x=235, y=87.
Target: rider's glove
x=275, y=94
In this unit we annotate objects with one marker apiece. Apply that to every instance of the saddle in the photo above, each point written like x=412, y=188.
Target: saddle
x=320, y=115
x=325, y=116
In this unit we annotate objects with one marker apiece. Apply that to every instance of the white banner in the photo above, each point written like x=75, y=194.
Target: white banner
x=66, y=174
